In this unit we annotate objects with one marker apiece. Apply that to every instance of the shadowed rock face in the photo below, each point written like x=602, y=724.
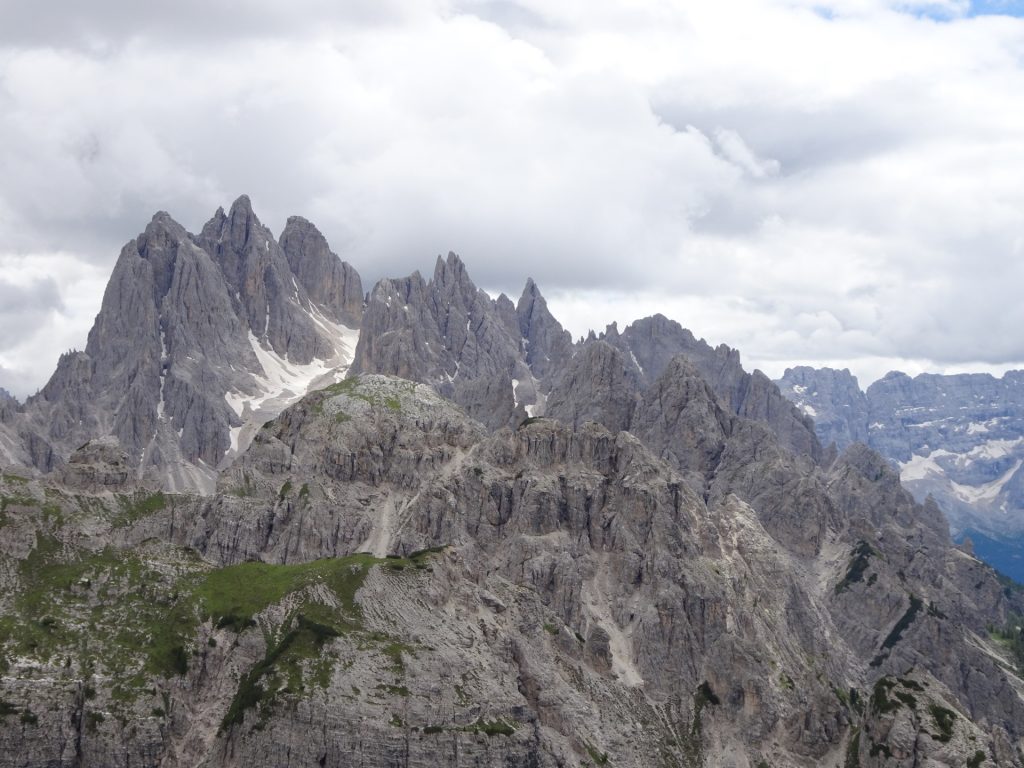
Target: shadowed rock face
x=8, y=405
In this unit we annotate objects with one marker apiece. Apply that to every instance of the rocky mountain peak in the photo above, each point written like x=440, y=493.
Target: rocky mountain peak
x=547, y=345
x=456, y=298
x=242, y=221
x=650, y=344
x=330, y=283
x=451, y=270
x=7, y=400
x=197, y=337
x=496, y=359
x=833, y=399
x=8, y=406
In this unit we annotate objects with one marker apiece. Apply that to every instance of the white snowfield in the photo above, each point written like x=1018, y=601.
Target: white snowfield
x=925, y=469
x=284, y=382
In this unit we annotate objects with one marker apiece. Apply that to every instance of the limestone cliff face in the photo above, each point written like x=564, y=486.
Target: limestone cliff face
x=543, y=595
x=547, y=346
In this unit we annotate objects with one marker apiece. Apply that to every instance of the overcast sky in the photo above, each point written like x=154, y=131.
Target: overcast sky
x=837, y=182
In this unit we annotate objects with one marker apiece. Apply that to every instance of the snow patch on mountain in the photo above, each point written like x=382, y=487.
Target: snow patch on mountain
x=284, y=382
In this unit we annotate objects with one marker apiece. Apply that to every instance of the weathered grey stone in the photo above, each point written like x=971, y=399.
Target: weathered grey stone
x=666, y=570
x=330, y=283
x=181, y=327
x=653, y=342
x=451, y=335
x=584, y=595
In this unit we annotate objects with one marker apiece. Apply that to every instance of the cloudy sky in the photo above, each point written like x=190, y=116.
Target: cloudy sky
x=838, y=182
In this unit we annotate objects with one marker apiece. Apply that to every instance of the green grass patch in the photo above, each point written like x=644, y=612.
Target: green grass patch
x=530, y=420
x=944, y=719
x=137, y=507
x=1011, y=637
x=853, y=751
x=93, y=720
x=132, y=618
x=880, y=701
x=907, y=698
x=280, y=669
x=242, y=591
x=232, y=596
x=346, y=387
x=878, y=748
x=7, y=502
x=487, y=727
x=599, y=758
x=491, y=727
x=353, y=388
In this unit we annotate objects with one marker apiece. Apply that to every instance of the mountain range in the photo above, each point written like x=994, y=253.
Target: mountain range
x=957, y=438
x=267, y=519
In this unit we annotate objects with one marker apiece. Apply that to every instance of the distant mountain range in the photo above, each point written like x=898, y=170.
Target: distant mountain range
x=957, y=438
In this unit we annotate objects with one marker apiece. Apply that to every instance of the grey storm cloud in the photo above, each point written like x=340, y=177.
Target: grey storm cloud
x=23, y=307
x=744, y=166
x=102, y=23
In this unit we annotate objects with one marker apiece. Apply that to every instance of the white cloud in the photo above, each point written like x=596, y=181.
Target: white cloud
x=47, y=303
x=830, y=181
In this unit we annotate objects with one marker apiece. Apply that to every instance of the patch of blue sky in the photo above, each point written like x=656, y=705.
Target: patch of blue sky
x=943, y=10
x=996, y=8
x=958, y=9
